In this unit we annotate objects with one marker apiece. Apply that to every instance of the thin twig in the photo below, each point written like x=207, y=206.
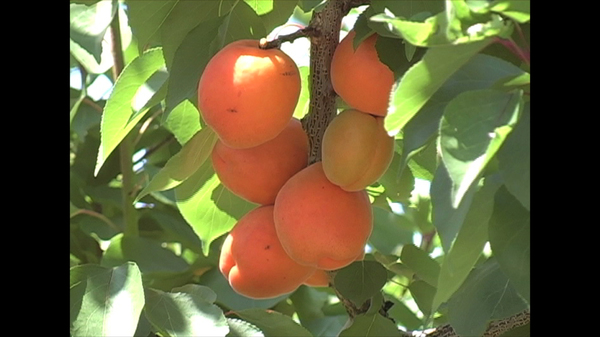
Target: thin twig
x=276, y=43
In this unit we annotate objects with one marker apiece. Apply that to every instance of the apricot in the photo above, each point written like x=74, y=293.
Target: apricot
x=247, y=94
x=359, y=77
x=255, y=263
x=257, y=174
x=356, y=150
x=318, y=223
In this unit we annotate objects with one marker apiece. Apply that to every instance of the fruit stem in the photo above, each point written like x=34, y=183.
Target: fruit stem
x=276, y=43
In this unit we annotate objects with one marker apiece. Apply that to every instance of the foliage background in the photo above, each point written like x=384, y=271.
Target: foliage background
x=148, y=213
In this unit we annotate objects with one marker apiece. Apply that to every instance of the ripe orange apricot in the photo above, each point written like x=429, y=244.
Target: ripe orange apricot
x=257, y=174
x=356, y=150
x=255, y=263
x=319, y=224
x=247, y=94
x=359, y=77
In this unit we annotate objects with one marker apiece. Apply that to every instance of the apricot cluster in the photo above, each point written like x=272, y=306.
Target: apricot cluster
x=309, y=219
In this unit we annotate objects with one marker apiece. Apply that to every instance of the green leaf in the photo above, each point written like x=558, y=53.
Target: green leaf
x=147, y=17
x=474, y=126
x=183, y=121
x=398, y=183
x=421, y=81
x=116, y=122
x=360, y=280
x=189, y=61
x=183, y=164
x=468, y=245
x=446, y=218
x=188, y=15
x=229, y=298
x=423, y=294
x=390, y=231
x=241, y=328
x=487, y=294
x=260, y=6
x=178, y=229
x=426, y=268
x=480, y=72
x=88, y=26
x=304, y=98
x=148, y=254
x=279, y=15
x=371, y=326
x=184, y=313
x=207, y=206
x=510, y=236
x=105, y=301
x=273, y=323
x=515, y=159
x=518, y=10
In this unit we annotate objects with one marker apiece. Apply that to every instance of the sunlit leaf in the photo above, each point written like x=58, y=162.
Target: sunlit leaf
x=116, y=122
x=421, y=81
x=105, y=301
x=184, y=313
x=183, y=121
x=241, y=328
x=260, y=6
x=518, y=10
x=89, y=24
x=207, y=206
x=183, y=164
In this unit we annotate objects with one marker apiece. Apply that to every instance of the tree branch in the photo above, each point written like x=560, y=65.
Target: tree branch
x=126, y=147
x=323, y=31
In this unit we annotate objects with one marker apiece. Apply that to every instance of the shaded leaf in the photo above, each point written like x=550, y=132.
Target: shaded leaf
x=422, y=80
x=468, y=245
x=105, y=301
x=148, y=254
x=426, y=268
x=480, y=72
x=370, y=326
x=183, y=164
x=390, y=231
x=423, y=294
x=189, y=61
x=229, y=298
x=116, y=122
x=515, y=159
x=486, y=295
x=446, y=218
x=474, y=126
x=147, y=17
x=181, y=313
x=273, y=323
x=360, y=280
x=510, y=236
